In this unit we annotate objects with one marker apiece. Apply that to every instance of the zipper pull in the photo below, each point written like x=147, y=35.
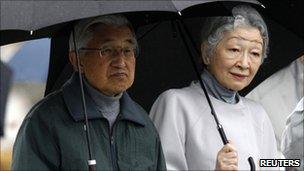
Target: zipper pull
x=112, y=140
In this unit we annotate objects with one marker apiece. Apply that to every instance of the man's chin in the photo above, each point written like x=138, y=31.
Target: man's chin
x=117, y=86
x=119, y=89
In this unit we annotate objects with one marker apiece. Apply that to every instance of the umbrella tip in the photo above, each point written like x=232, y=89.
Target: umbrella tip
x=179, y=13
x=31, y=32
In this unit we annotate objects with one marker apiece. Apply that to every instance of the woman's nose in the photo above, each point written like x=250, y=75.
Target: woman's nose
x=244, y=61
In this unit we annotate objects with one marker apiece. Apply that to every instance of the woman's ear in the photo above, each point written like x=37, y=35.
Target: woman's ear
x=73, y=61
x=204, y=56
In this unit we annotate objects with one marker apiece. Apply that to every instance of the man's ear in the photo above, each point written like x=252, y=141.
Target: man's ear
x=73, y=60
x=204, y=56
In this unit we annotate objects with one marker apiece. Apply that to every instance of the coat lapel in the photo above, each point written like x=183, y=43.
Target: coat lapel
x=72, y=98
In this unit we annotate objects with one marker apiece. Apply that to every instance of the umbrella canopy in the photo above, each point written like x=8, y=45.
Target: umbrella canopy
x=25, y=20
x=161, y=66
x=286, y=13
x=31, y=15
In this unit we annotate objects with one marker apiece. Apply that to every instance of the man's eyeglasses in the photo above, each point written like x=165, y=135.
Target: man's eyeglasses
x=128, y=51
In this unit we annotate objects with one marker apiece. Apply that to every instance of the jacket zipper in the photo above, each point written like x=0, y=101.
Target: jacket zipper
x=112, y=145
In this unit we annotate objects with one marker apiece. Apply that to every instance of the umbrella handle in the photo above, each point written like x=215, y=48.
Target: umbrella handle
x=251, y=163
x=92, y=168
x=225, y=141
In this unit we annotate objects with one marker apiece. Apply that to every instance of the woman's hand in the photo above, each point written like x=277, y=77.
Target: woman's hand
x=227, y=158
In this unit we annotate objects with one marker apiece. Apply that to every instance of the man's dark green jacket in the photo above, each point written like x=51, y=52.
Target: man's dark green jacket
x=52, y=136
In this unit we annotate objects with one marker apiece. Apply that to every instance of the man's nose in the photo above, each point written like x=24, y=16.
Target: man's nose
x=118, y=60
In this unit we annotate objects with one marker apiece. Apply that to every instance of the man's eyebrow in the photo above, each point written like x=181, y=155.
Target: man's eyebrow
x=131, y=40
x=107, y=40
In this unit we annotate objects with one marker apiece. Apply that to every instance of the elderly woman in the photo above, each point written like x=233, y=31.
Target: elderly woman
x=232, y=49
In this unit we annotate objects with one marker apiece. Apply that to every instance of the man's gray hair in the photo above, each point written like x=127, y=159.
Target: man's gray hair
x=214, y=28
x=84, y=31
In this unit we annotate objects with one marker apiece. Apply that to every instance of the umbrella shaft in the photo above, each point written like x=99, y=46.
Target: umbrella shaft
x=91, y=161
x=184, y=31
x=222, y=134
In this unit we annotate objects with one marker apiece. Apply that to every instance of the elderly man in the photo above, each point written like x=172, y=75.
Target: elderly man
x=52, y=135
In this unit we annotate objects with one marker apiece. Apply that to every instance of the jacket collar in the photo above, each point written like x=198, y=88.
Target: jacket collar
x=129, y=110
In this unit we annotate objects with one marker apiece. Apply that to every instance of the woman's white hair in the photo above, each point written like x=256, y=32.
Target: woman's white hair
x=84, y=29
x=214, y=28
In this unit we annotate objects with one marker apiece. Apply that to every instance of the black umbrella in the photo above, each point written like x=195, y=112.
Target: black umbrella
x=286, y=13
x=11, y=31
x=25, y=20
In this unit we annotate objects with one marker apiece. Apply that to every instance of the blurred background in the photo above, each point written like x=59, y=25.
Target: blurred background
x=24, y=68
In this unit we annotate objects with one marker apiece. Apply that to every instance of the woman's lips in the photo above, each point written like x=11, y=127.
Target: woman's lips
x=239, y=77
